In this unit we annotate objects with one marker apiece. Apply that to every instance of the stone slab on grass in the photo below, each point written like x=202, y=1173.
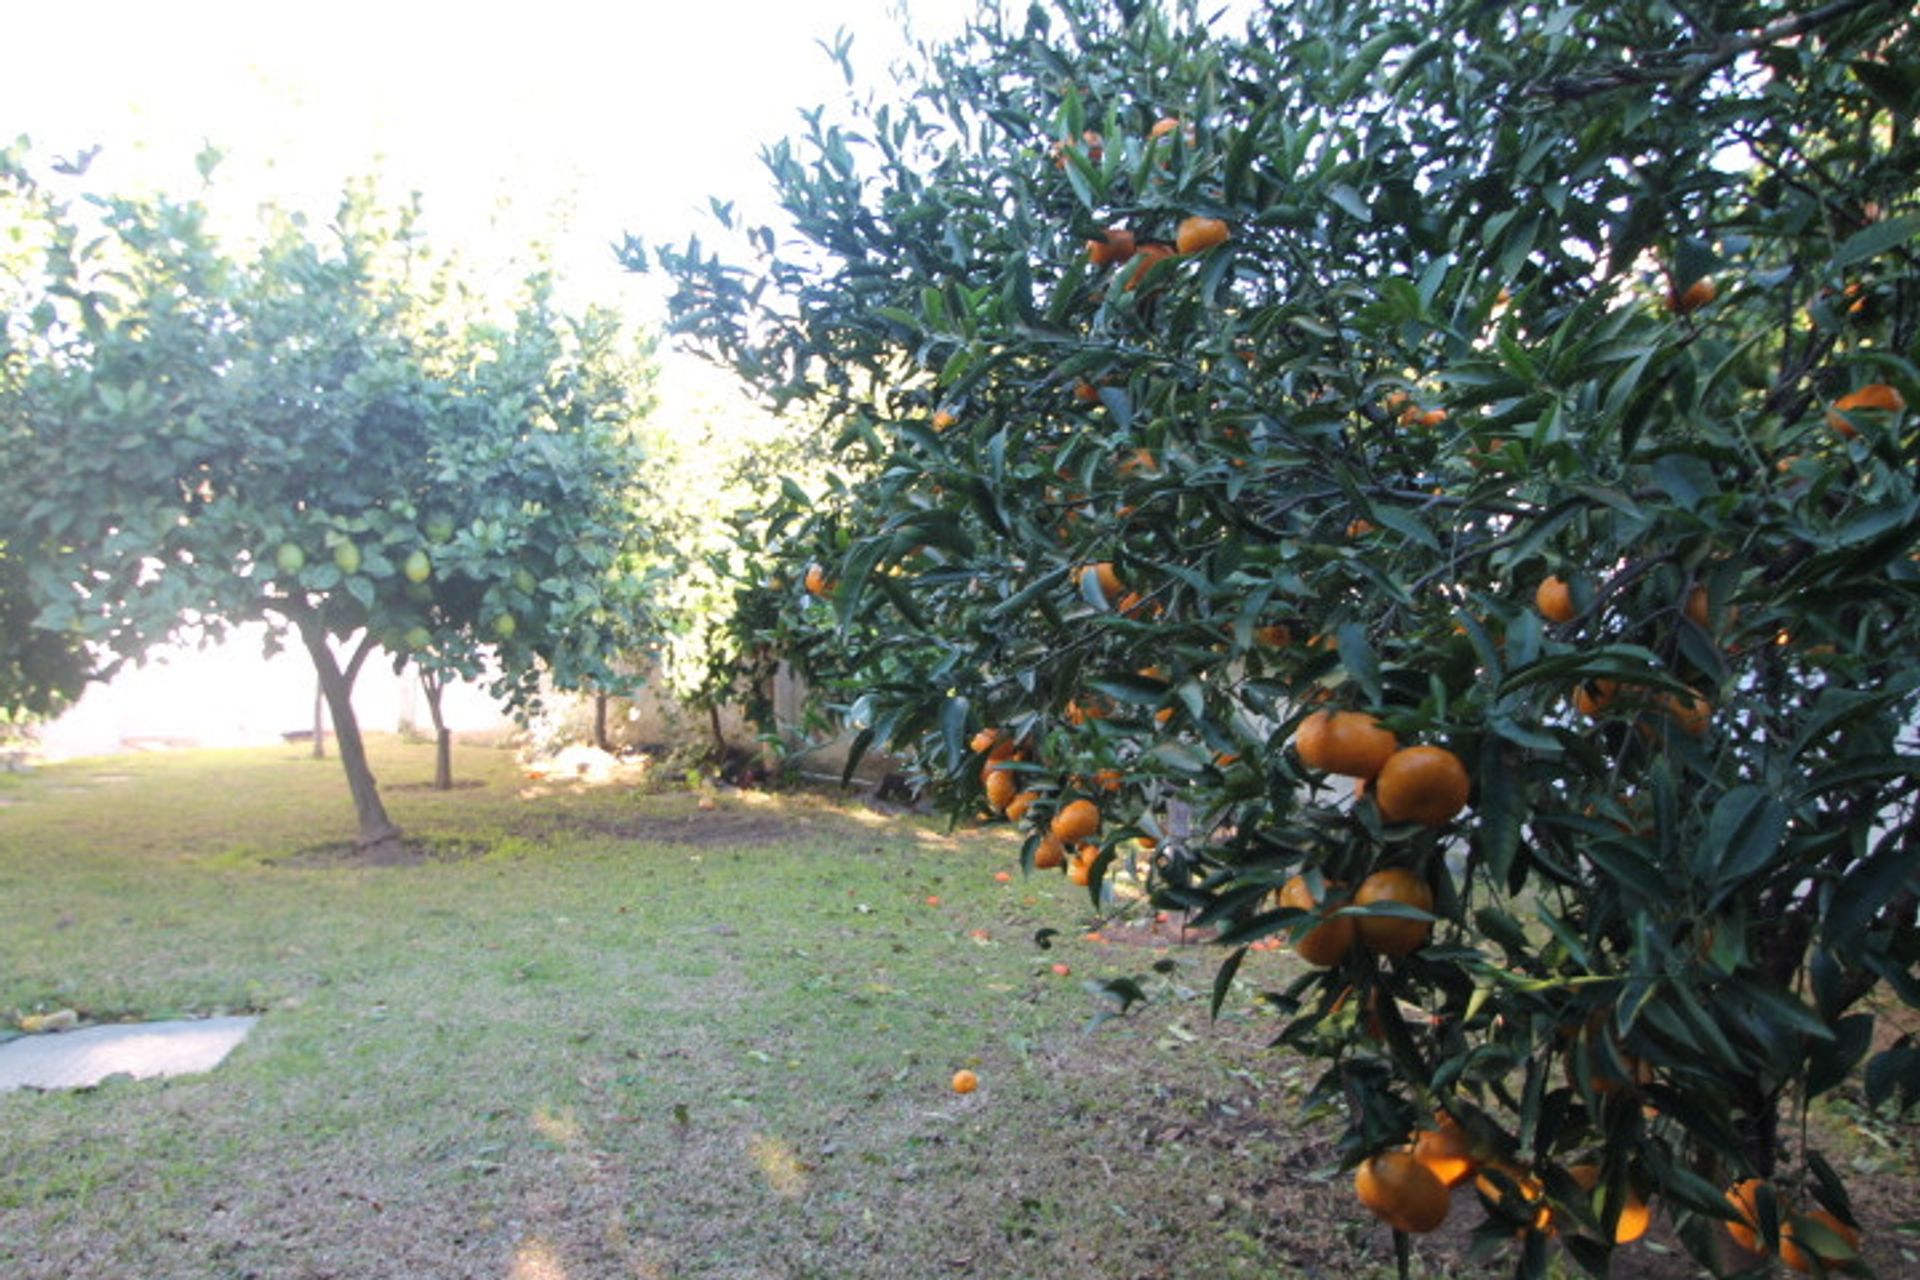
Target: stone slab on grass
x=81, y=1059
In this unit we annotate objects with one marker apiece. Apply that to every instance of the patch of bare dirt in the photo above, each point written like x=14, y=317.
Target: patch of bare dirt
x=411, y=852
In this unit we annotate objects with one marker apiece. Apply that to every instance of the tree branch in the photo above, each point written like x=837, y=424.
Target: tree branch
x=1696, y=62
x=359, y=656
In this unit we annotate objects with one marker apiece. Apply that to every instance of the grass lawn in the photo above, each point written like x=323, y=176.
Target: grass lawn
x=599, y=1032
x=602, y=1032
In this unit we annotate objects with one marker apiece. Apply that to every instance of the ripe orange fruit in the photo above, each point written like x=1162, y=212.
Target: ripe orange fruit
x=1422, y=784
x=964, y=1081
x=1018, y=806
x=1197, y=235
x=1554, y=599
x=1444, y=1150
x=1689, y=715
x=942, y=420
x=1401, y=1191
x=1361, y=528
x=1001, y=787
x=1797, y=1259
x=1876, y=396
x=1594, y=696
x=986, y=739
x=1527, y=1193
x=1344, y=742
x=1111, y=587
x=1163, y=126
x=1049, y=853
x=1076, y=821
x=1143, y=259
x=816, y=581
x=1745, y=1198
x=1111, y=247
x=1393, y=935
x=1089, y=138
x=1693, y=297
x=1277, y=637
x=1326, y=943
x=1634, y=1216
x=1699, y=608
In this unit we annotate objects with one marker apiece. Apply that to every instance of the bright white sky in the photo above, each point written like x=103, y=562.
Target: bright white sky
x=566, y=120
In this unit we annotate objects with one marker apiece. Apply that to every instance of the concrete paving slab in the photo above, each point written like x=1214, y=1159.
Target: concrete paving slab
x=81, y=1059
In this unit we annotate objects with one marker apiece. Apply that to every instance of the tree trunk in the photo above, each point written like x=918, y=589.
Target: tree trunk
x=319, y=722
x=600, y=721
x=377, y=831
x=443, y=739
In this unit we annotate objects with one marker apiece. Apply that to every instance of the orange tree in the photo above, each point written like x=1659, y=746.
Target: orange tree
x=1453, y=455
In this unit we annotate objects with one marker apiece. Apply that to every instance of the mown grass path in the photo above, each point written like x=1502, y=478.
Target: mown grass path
x=597, y=1032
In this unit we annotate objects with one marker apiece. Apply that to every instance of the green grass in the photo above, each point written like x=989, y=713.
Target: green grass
x=611, y=1034
x=601, y=1032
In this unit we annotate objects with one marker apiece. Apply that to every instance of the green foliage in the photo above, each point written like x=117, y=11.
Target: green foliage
x=206, y=434
x=715, y=464
x=40, y=670
x=322, y=430
x=1458, y=342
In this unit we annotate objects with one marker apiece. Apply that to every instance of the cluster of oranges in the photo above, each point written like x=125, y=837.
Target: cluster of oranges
x=1118, y=246
x=1068, y=839
x=1424, y=784
x=1410, y=1187
x=1409, y=414
x=1328, y=941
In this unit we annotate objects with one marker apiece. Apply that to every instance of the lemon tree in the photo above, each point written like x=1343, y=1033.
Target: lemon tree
x=1530, y=385
x=306, y=430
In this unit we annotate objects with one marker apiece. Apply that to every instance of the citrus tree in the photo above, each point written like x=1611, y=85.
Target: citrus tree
x=547, y=519
x=1430, y=483
x=40, y=670
x=311, y=431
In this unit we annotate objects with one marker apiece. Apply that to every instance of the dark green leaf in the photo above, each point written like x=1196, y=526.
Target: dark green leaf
x=1830, y=1062
x=1867, y=887
x=1743, y=835
x=1876, y=240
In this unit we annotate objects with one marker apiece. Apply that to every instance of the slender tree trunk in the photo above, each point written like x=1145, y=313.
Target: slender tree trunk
x=377, y=831
x=600, y=721
x=319, y=722
x=433, y=684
